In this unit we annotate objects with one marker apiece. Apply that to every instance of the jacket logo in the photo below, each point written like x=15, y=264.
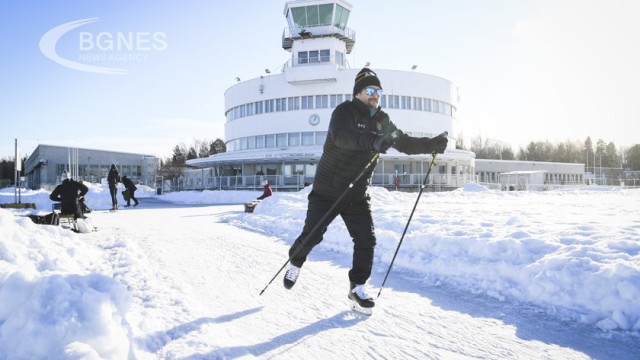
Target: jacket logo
x=362, y=126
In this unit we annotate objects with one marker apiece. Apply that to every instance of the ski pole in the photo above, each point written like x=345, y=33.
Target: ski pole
x=424, y=183
x=322, y=220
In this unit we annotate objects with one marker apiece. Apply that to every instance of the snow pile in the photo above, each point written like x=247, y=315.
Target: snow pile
x=574, y=253
x=53, y=302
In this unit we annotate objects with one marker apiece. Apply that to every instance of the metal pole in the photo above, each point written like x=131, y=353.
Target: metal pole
x=15, y=172
x=431, y=165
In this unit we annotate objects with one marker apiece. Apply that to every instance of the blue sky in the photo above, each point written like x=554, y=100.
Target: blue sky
x=527, y=70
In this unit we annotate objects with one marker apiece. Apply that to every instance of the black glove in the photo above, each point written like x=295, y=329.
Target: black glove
x=436, y=144
x=384, y=142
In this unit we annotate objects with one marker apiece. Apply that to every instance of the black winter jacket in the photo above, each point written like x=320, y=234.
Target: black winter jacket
x=350, y=147
x=68, y=191
x=113, y=178
x=128, y=184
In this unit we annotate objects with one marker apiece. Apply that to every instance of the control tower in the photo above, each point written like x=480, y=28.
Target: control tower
x=317, y=35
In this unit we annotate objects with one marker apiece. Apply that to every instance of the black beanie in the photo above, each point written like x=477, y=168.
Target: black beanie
x=366, y=77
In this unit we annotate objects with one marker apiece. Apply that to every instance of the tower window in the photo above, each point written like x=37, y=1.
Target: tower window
x=303, y=57
x=313, y=57
x=325, y=55
x=313, y=15
x=342, y=15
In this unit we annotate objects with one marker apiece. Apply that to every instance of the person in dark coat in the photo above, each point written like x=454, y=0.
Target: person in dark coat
x=131, y=188
x=358, y=130
x=267, y=190
x=113, y=179
x=68, y=194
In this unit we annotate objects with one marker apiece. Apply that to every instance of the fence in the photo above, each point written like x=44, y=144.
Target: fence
x=404, y=182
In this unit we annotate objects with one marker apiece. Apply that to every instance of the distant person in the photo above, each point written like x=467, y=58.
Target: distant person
x=113, y=179
x=267, y=190
x=68, y=194
x=131, y=188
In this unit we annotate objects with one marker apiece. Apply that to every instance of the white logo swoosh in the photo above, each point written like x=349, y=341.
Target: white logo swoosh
x=48, y=47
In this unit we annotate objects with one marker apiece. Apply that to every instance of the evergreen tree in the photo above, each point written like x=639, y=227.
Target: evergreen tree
x=632, y=158
x=179, y=157
x=216, y=147
x=192, y=154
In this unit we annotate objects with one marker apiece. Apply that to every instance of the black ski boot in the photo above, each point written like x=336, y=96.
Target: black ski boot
x=291, y=276
x=362, y=302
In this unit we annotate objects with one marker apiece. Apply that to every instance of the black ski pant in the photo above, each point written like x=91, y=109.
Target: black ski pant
x=71, y=208
x=356, y=214
x=113, y=190
x=131, y=197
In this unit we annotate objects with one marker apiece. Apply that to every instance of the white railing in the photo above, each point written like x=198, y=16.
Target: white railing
x=406, y=182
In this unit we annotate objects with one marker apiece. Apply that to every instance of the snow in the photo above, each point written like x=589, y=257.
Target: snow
x=480, y=274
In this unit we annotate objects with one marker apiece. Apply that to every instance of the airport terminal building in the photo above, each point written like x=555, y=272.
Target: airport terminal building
x=276, y=124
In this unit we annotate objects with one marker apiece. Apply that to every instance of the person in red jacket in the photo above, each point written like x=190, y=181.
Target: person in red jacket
x=267, y=190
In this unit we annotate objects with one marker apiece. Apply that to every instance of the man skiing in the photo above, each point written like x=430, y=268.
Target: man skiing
x=358, y=130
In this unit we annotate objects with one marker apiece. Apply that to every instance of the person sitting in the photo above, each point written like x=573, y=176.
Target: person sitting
x=267, y=190
x=68, y=194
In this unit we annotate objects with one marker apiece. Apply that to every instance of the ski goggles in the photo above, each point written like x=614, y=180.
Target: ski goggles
x=370, y=91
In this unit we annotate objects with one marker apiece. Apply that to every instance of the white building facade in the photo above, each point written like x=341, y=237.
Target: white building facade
x=45, y=166
x=276, y=124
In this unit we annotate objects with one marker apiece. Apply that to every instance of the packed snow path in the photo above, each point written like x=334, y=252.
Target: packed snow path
x=202, y=275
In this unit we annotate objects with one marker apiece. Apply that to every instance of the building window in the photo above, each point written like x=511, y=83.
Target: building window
x=281, y=140
x=335, y=100
x=270, y=140
x=322, y=101
x=321, y=137
x=269, y=106
x=313, y=15
x=303, y=57
x=307, y=102
x=314, y=57
x=259, y=142
x=417, y=103
x=307, y=138
x=342, y=15
x=405, y=102
x=294, y=103
x=259, y=107
x=325, y=56
x=339, y=58
x=281, y=104
x=294, y=139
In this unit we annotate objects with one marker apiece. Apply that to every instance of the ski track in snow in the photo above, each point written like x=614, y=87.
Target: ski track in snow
x=212, y=283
